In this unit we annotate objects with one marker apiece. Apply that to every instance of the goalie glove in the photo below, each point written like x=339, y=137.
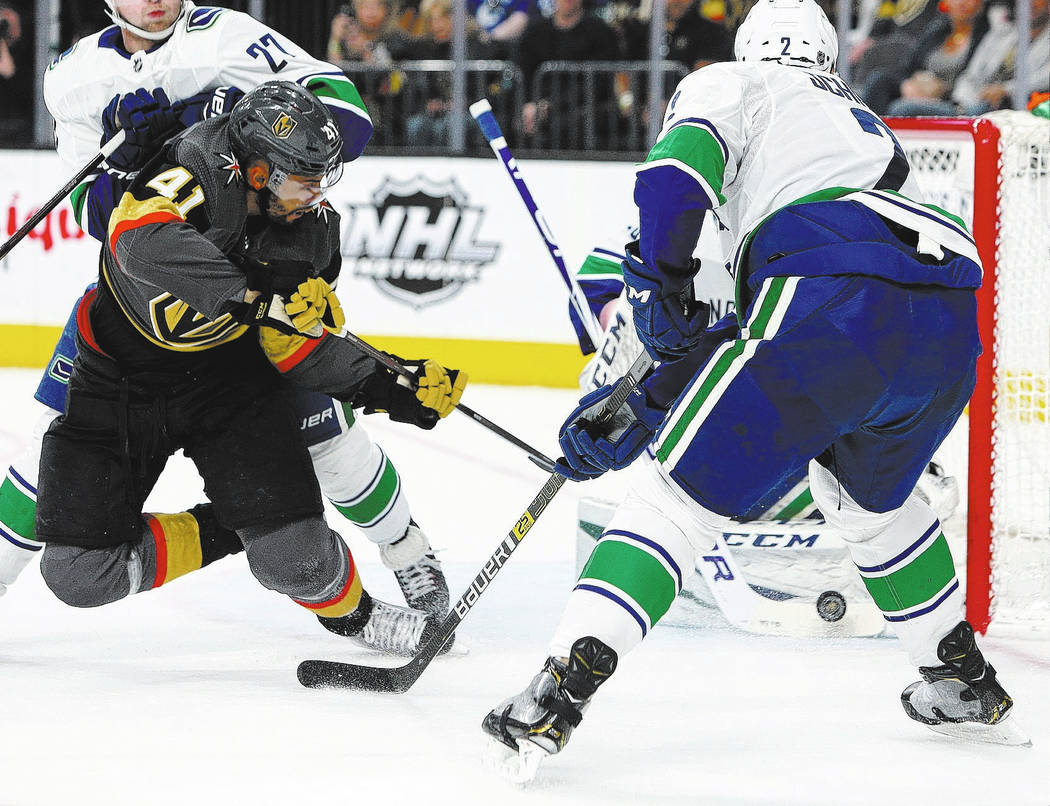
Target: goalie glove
x=591, y=450
x=432, y=395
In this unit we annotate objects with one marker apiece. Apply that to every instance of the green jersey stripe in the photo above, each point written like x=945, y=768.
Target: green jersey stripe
x=599, y=265
x=695, y=147
x=338, y=91
x=767, y=314
x=916, y=583
x=18, y=510
x=627, y=568
x=378, y=499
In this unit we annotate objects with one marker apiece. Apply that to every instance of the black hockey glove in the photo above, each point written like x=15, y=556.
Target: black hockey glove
x=147, y=118
x=437, y=391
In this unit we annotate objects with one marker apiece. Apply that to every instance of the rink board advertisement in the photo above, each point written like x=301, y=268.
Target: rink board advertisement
x=439, y=256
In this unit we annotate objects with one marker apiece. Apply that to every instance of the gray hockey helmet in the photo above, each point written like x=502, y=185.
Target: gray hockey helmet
x=290, y=128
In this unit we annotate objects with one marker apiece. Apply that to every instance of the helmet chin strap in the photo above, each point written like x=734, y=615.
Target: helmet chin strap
x=153, y=36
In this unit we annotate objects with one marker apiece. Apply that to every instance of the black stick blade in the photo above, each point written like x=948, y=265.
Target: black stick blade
x=333, y=674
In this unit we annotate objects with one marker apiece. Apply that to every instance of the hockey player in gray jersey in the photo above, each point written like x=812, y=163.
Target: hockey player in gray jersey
x=216, y=293
x=852, y=352
x=162, y=66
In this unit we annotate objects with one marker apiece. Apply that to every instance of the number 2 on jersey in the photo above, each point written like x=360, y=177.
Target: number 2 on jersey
x=896, y=172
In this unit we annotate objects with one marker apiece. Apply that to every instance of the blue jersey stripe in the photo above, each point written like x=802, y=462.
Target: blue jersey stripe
x=916, y=613
x=583, y=586
x=890, y=563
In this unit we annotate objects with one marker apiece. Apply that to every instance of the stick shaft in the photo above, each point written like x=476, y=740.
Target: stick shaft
x=482, y=113
x=63, y=191
x=393, y=364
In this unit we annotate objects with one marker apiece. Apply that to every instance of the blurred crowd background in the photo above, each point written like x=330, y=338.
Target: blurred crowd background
x=574, y=76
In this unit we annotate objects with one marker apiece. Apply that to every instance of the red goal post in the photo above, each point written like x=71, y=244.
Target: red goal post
x=995, y=172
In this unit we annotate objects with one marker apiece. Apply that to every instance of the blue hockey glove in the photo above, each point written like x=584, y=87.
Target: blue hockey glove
x=591, y=450
x=668, y=322
x=147, y=118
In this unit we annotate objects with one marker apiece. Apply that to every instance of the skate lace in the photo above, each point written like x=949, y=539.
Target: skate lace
x=394, y=630
x=419, y=579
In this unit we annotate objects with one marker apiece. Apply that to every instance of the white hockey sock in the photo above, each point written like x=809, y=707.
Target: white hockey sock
x=361, y=482
x=18, y=544
x=904, y=561
x=637, y=567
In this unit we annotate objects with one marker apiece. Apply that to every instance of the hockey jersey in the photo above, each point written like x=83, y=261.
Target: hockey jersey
x=751, y=138
x=211, y=48
x=172, y=268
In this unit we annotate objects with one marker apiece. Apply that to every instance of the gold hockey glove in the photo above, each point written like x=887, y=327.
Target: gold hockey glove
x=314, y=305
x=439, y=389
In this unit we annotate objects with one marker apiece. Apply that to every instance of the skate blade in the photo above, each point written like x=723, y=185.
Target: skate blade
x=1005, y=732
x=517, y=767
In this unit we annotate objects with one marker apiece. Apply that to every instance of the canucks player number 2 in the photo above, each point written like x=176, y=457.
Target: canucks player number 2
x=897, y=171
x=262, y=48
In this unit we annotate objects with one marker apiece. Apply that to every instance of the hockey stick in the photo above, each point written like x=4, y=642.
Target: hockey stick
x=482, y=113
x=112, y=145
x=396, y=679
x=393, y=364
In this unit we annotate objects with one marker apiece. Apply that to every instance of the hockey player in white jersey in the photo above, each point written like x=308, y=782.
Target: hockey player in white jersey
x=853, y=350
x=162, y=66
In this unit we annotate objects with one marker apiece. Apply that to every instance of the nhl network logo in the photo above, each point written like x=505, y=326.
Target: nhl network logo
x=417, y=240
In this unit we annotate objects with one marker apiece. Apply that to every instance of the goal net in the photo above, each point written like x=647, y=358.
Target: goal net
x=995, y=172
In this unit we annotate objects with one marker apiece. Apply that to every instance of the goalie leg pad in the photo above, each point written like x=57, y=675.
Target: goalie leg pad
x=904, y=561
x=359, y=480
x=637, y=567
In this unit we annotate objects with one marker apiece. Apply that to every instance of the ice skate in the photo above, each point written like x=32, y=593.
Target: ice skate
x=539, y=721
x=417, y=571
x=962, y=698
x=386, y=627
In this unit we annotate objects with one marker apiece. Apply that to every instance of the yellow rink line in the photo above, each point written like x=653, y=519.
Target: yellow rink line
x=512, y=363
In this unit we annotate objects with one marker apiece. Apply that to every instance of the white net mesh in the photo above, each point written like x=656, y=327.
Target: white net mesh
x=1020, y=458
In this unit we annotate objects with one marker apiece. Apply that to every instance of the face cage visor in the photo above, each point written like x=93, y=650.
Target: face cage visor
x=303, y=192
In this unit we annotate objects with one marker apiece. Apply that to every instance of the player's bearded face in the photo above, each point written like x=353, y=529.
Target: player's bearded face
x=294, y=198
x=149, y=15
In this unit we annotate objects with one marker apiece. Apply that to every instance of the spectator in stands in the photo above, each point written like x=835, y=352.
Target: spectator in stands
x=891, y=39
x=573, y=35
x=689, y=38
x=928, y=72
x=430, y=126
x=987, y=83
x=366, y=32
x=16, y=81
x=501, y=22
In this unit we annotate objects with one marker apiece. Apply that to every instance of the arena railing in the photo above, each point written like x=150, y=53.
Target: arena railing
x=589, y=110
x=596, y=106
x=411, y=103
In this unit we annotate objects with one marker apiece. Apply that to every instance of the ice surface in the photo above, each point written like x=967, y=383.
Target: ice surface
x=188, y=694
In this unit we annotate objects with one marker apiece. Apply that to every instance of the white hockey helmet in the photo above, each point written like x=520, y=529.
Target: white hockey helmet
x=793, y=32
x=154, y=36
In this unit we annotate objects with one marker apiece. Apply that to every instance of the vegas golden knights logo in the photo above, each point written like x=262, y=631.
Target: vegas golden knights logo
x=284, y=126
x=177, y=326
